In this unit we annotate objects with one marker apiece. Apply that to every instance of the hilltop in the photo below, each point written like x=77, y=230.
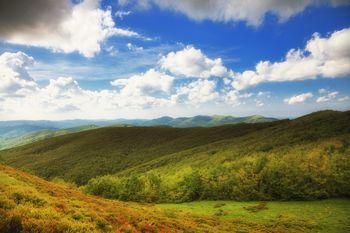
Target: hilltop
x=302, y=158
x=14, y=130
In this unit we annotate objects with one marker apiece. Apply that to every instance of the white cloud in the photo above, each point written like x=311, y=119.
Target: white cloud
x=232, y=98
x=191, y=62
x=322, y=57
x=197, y=92
x=22, y=97
x=345, y=98
x=133, y=47
x=328, y=97
x=296, y=99
x=251, y=12
x=83, y=29
x=121, y=14
x=14, y=78
x=147, y=83
x=259, y=103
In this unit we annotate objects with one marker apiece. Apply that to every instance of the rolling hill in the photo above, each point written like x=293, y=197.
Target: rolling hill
x=112, y=149
x=303, y=158
x=11, y=129
x=9, y=142
x=31, y=204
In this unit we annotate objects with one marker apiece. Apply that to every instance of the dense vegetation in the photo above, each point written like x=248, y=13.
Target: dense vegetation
x=302, y=159
x=30, y=204
x=78, y=157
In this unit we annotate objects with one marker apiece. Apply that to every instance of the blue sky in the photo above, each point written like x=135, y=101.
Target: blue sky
x=177, y=59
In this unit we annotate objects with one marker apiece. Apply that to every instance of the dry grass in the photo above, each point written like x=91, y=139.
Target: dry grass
x=31, y=204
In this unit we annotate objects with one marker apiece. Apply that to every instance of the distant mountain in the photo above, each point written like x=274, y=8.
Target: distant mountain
x=11, y=129
x=42, y=133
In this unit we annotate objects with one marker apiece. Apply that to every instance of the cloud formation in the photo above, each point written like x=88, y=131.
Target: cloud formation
x=191, y=62
x=327, y=57
x=328, y=97
x=59, y=25
x=297, y=99
x=14, y=78
x=20, y=94
x=197, y=92
x=252, y=12
x=151, y=82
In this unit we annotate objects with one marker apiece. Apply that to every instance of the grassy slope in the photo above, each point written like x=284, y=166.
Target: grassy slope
x=172, y=151
x=40, y=135
x=32, y=204
x=314, y=133
x=113, y=149
x=327, y=215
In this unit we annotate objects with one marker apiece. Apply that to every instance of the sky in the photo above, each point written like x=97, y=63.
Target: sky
x=108, y=59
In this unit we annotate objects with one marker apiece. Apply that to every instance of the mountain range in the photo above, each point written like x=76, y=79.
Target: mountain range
x=14, y=133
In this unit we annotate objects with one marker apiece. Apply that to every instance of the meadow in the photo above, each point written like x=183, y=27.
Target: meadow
x=331, y=215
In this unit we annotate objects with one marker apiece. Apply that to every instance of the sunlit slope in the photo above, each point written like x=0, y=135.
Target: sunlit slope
x=83, y=155
x=31, y=204
x=295, y=141
x=172, y=151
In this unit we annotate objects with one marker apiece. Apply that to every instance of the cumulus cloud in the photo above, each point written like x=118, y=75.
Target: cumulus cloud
x=251, y=12
x=297, y=99
x=322, y=57
x=197, y=92
x=59, y=25
x=147, y=83
x=14, y=78
x=21, y=96
x=328, y=97
x=191, y=62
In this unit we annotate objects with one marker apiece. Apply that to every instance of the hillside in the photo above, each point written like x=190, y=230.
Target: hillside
x=112, y=149
x=30, y=204
x=303, y=158
x=11, y=129
x=25, y=138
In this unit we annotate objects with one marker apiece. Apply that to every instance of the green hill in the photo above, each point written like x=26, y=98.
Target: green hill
x=112, y=149
x=9, y=142
x=303, y=158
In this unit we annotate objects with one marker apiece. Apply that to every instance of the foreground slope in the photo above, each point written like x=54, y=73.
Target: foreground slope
x=31, y=204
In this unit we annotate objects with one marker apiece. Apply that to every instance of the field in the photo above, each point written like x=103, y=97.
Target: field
x=330, y=215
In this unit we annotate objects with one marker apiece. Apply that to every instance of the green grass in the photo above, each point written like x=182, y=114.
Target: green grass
x=326, y=215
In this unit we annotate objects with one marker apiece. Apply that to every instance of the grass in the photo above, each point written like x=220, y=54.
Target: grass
x=330, y=215
x=31, y=204
x=126, y=150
